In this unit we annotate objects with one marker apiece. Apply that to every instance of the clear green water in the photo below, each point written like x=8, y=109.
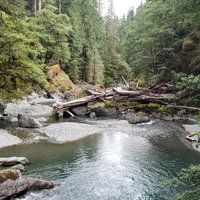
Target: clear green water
x=110, y=166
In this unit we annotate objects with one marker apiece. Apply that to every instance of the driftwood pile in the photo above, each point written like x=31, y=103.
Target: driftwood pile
x=121, y=94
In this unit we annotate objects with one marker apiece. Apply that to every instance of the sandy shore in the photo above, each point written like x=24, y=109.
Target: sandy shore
x=6, y=139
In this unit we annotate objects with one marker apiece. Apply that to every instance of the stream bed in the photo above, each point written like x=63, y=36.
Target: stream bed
x=130, y=163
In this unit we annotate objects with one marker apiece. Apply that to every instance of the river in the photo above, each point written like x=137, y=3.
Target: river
x=115, y=165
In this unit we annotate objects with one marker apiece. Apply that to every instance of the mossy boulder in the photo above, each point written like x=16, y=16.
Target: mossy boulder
x=76, y=93
x=101, y=108
x=58, y=79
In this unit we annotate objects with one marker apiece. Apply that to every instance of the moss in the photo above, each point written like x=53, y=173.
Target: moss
x=166, y=110
x=58, y=79
x=154, y=105
x=53, y=71
x=96, y=105
x=110, y=104
x=10, y=174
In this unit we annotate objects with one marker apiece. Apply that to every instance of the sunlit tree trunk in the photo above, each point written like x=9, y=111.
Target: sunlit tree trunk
x=39, y=6
x=35, y=7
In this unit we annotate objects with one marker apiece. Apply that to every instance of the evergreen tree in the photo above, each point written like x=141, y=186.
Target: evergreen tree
x=115, y=65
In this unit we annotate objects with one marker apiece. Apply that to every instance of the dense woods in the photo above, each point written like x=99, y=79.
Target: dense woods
x=156, y=46
x=159, y=43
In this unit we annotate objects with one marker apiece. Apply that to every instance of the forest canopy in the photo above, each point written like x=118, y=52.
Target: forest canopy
x=160, y=43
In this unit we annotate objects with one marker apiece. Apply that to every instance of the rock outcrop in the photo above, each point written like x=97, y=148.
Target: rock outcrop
x=13, y=183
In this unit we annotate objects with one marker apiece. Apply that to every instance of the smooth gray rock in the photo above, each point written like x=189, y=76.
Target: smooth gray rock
x=6, y=139
x=23, y=107
x=135, y=117
x=10, y=161
x=138, y=119
x=33, y=96
x=68, y=131
x=28, y=122
x=80, y=110
x=11, y=188
x=92, y=115
x=19, y=167
x=43, y=101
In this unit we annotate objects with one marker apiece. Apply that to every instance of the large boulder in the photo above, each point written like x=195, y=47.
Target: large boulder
x=12, y=183
x=28, y=122
x=23, y=107
x=58, y=79
x=80, y=110
x=138, y=118
x=134, y=117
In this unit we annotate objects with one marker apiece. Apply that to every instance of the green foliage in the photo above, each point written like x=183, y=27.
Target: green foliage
x=85, y=42
x=164, y=37
x=115, y=64
x=55, y=30
x=20, y=48
x=186, y=82
x=189, y=179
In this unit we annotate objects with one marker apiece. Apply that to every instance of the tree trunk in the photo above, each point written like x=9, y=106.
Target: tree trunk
x=35, y=7
x=95, y=68
x=60, y=7
x=39, y=6
x=99, y=6
x=85, y=71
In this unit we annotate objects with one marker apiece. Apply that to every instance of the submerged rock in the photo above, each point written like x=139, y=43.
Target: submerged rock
x=38, y=184
x=28, y=122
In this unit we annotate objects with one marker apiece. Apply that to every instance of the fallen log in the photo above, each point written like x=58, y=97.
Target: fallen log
x=61, y=108
x=121, y=91
x=117, y=95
